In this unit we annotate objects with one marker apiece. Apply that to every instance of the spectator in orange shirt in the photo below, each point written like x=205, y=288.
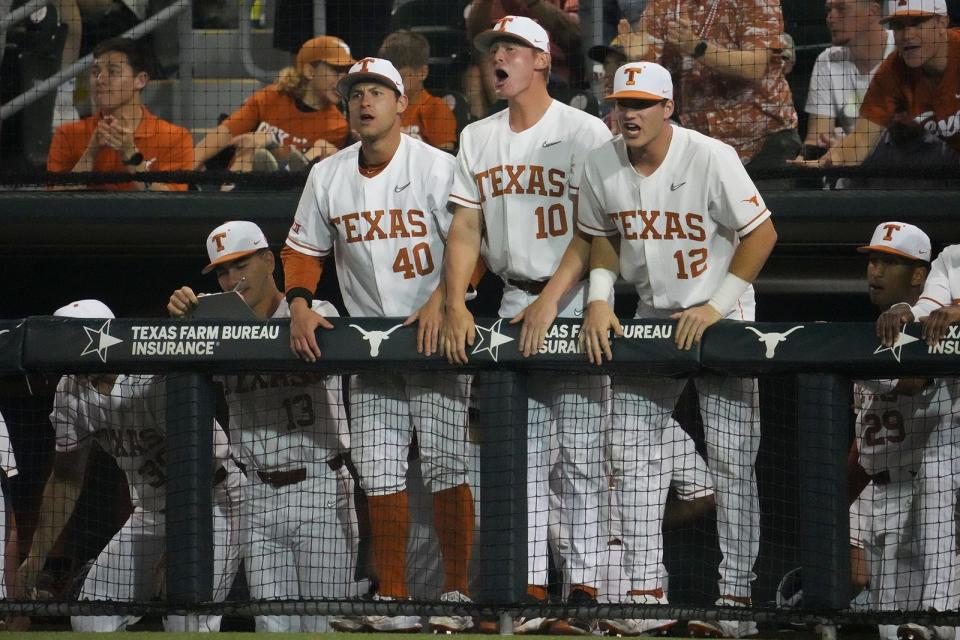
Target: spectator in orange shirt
x=296, y=118
x=123, y=135
x=726, y=59
x=428, y=118
x=911, y=113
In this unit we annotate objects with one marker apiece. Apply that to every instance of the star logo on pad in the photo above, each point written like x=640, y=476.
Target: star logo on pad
x=99, y=341
x=902, y=339
x=492, y=338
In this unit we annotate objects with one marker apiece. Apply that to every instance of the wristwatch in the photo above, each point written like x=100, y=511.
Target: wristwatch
x=133, y=160
x=700, y=49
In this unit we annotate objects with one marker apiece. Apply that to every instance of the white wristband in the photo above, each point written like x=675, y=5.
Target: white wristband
x=601, y=284
x=728, y=293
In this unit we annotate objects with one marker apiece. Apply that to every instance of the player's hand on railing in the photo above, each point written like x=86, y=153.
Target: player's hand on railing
x=181, y=302
x=429, y=319
x=303, y=330
x=28, y=573
x=692, y=322
x=537, y=319
x=891, y=322
x=935, y=325
x=459, y=331
x=598, y=321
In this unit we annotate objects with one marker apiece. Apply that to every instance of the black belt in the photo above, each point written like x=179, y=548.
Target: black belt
x=884, y=477
x=277, y=479
x=533, y=287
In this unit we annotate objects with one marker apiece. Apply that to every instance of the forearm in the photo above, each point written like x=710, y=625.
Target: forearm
x=479, y=19
x=745, y=64
x=462, y=253
x=564, y=31
x=855, y=148
x=56, y=508
x=605, y=253
x=573, y=264
x=85, y=163
x=215, y=142
x=752, y=252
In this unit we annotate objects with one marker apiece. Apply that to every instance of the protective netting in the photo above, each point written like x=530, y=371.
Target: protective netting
x=797, y=88
x=399, y=500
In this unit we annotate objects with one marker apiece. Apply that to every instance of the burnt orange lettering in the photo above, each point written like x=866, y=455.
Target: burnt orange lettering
x=649, y=232
x=632, y=73
x=398, y=228
x=890, y=227
x=495, y=188
x=535, y=184
x=218, y=240
x=556, y=176
x=479, y=179
x=674, y=230
x=350, y=227
x=695, y=227
x=373, y=219
x=417, y=225
x=513, y=178
x=627, y=218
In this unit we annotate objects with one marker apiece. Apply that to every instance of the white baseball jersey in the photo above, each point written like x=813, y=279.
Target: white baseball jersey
x=129, y=423
x=524, y=182
x=8, y=463
x=387, y=231
x=280, y=421
x=892, y=428
x=943, y=284
x=679, y=226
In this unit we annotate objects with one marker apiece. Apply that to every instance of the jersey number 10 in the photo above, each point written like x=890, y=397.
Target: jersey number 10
x=551, y=222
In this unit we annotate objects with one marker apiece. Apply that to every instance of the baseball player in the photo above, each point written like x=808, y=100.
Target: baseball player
x=675, y=213
x=125, y=415
x=514, y=203
x=937, y=308
x=290, y=432
x=894, y=421
x=8, y=527
x=379, y=206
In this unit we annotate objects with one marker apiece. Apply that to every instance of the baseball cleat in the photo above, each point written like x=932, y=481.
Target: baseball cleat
x=576, y=625
x=914, y=631
x=451, y=624
x=347, y=624
x=391, y=624
x=724, y=628
x=639, y=626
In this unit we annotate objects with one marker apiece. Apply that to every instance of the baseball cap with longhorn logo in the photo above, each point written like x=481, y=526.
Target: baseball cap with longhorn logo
x=517, y=28
x=914, y=8
x=900, y=239
x=371, y=70
x=232, y=241
x=641, y=81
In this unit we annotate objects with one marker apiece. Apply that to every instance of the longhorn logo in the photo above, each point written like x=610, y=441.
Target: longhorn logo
x=771, y=340
x=375, y=338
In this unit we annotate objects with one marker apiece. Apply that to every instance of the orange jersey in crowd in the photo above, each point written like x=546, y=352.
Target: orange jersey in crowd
x=739, y=112
x=294, y=123
x=165, y=147
x=896, y=88
x=428, y=118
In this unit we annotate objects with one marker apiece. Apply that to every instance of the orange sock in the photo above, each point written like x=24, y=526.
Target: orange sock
x=453, y=519
x=389, y=523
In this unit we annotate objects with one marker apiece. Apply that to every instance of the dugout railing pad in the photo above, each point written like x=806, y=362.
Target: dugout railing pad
x=824, y=357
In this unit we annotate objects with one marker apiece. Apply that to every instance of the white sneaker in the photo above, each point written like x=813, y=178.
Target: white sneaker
x=391, y=624
x=639, y=626
x=723, y=628
x=451, y=624
x=523, y=625
x=347, y=624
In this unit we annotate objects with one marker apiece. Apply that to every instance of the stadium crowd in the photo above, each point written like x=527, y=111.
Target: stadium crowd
x=368, y=489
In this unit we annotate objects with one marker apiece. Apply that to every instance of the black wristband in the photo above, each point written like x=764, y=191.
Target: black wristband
x=700, y=49
x=135, y=159
x=300, y=292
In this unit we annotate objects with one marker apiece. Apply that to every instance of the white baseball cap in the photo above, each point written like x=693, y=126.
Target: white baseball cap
x=371, y=70
x=641, y=81
x=233, y=240
x=84, y=309
x=918, y=8
x=901, y=239
x=521, y=29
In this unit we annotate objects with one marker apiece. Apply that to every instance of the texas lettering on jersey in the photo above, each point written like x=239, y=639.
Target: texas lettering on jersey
x=521, y=179
x=656, y=225
x=381, y=224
